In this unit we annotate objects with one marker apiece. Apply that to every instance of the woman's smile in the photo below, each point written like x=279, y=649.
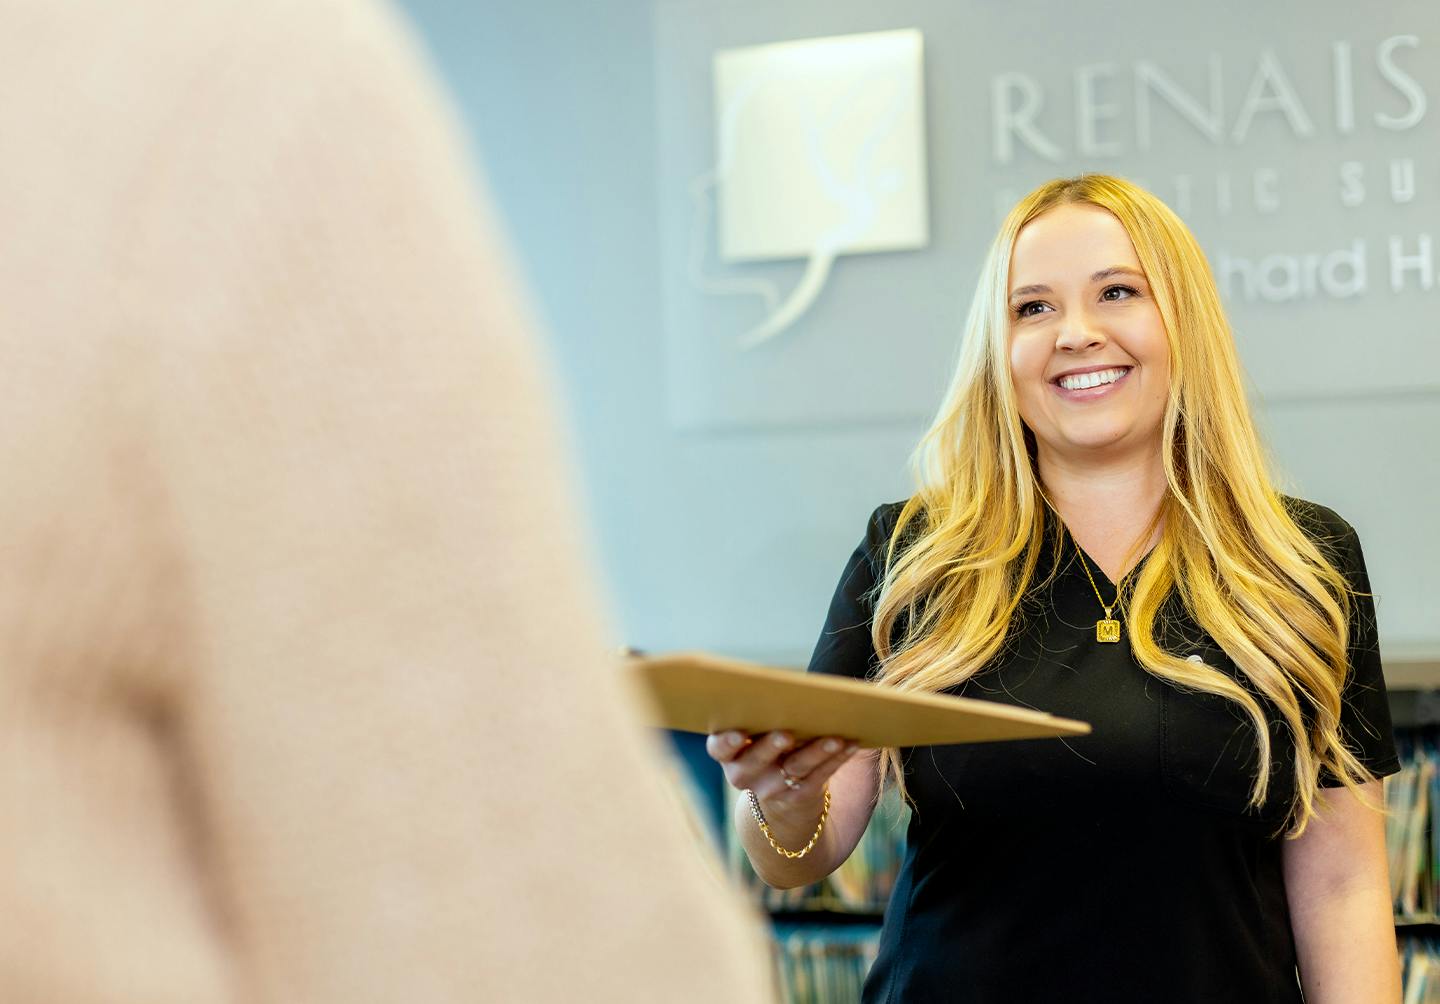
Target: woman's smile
x=1091, y=384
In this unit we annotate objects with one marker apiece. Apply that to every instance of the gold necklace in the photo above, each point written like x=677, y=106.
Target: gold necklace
x=1106, y=629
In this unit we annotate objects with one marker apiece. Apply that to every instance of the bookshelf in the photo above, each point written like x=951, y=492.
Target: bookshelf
x=826, y=935
x=1413, y=680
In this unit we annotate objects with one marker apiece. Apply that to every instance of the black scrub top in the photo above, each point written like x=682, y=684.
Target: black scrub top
x=1114, y=867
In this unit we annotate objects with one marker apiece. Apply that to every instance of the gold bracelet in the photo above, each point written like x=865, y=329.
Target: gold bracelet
x=765, y=827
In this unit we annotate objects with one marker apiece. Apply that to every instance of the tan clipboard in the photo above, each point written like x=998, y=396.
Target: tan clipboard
x=698, y=692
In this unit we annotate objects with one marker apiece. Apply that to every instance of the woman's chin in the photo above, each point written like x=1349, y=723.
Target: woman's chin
x=1100, y=441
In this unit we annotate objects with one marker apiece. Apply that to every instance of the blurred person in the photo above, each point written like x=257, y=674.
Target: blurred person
x=302, y=692
x=1096, y=535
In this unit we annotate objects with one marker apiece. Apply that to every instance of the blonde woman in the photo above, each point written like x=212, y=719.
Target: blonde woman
x=1096, y=534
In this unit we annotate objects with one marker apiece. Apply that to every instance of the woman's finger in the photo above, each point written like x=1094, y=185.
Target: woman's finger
x=800, y=762
x=805, y=789
x=723, y=747
x=799, y=777
x=826, y=769
x=750, y=766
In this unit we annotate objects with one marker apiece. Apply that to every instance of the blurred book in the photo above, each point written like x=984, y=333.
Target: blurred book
x=824, y=964
x=1412, y=836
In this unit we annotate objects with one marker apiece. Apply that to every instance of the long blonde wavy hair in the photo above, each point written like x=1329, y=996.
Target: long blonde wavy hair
x=965, y=547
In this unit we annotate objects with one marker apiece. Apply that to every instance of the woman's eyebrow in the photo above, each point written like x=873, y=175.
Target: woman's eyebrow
x=1104, y=273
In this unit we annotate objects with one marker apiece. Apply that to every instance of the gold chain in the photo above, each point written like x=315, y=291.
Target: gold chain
x=1118, y=589
x=765, y=827
x=1106, y=629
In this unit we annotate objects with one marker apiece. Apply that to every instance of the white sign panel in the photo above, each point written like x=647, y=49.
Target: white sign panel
x=822, y=146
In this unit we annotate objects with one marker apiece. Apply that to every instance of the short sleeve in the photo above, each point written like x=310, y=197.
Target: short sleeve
x=1365, y=726
x=845, y=647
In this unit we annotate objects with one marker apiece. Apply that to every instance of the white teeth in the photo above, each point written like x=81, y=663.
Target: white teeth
x=1080, y=381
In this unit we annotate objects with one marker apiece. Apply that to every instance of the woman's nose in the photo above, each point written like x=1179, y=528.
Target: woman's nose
x=1078, y=334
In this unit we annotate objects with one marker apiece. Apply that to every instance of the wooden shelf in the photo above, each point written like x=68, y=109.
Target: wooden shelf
x=1414, y=687
x=1416, y=928
x=825, y=917
x=1411, y=674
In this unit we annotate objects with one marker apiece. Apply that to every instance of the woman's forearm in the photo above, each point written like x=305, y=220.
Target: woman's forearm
x=1338, y=887
x=1345, y=943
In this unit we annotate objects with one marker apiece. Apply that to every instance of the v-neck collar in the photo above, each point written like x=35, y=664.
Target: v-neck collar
x=1067, y=538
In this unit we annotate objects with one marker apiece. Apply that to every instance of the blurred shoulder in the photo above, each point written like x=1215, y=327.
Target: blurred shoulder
x=197, y=31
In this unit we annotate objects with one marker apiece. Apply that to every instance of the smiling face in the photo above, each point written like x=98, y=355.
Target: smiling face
x=1088, y=354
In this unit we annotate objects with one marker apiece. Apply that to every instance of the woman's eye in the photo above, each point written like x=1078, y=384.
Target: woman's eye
x=1024, y=309
x=1128, y=291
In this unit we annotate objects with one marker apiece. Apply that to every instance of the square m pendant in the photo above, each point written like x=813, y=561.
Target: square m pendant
x=1107, y=630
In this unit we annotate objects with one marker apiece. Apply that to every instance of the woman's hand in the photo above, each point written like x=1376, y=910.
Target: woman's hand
x=788, y=779
x=793, y=811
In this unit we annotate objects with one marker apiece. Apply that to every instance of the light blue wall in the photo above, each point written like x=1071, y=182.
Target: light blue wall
x=724, y=542
x=732, y=540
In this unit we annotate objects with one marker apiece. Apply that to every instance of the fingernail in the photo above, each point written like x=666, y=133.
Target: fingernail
x=781, y=741
x=831, y=745
x=851, y=748
x=733, y=739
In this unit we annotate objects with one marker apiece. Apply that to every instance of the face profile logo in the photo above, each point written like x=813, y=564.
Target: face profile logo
x=820, y=151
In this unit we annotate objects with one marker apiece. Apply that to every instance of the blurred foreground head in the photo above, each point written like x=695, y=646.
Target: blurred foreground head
x=301, y=687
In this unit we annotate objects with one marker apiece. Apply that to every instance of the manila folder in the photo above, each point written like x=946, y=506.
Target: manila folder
x=699, y=692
